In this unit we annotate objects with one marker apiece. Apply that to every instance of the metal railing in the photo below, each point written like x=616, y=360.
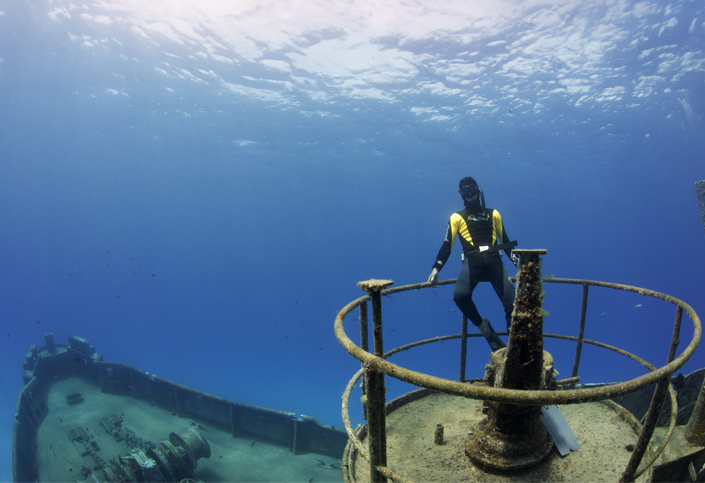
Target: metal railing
x=375, y=366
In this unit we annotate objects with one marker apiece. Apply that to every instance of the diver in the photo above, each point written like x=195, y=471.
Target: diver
x=482, y=236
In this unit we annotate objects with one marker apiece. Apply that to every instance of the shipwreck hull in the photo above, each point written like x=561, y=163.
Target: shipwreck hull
x=77, y=415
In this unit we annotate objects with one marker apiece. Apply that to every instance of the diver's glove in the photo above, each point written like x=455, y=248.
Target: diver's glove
x=433, y=278
x=515, y=259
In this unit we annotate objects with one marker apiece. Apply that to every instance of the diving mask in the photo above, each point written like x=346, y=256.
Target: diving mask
x=470, y=193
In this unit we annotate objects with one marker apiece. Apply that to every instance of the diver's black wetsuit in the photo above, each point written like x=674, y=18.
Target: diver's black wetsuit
x=478, y=230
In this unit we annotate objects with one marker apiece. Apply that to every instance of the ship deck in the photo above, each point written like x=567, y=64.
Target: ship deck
x=232, y=459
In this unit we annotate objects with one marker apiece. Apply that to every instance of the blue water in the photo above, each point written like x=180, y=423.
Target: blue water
x=197, y=187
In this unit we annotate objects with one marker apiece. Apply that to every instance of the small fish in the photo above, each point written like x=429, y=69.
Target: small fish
x=253, y=443
x=509, y=110
x=603, y=313
x=321, y=462
x=637, y=306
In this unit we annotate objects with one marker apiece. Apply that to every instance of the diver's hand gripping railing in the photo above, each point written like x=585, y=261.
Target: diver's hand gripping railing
x=377, y=363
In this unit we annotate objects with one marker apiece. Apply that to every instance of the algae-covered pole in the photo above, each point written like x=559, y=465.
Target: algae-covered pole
x=581, y=331
x=364, y=336
x=700, y=189
x=375, y=397
x=463, y=349
x=524, y=367
x=365, y=346
x=512, y=436
x=652, y=415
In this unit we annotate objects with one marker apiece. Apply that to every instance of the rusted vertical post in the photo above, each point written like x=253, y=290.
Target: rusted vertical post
x=581, y=331
x=647, y=431
x=364, y=336
x=524, y=367
x=463, y=349
x=700, y=190
x=654, y=411
x=512, y=436
x=375, y=397
x=365, y=346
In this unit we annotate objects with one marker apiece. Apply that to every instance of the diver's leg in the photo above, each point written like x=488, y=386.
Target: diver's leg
x=462, y=295
x=492, y=338
x=504, y=288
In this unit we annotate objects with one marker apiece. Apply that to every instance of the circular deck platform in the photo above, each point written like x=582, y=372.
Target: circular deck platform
x=606, y=431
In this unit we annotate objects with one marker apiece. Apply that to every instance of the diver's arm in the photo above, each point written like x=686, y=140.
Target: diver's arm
x=443, y=253
x=514, y=258
x=502, y=236
x=505, y=239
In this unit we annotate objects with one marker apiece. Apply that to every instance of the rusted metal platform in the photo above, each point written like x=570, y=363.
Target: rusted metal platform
x=606, y=432
x=397, y=444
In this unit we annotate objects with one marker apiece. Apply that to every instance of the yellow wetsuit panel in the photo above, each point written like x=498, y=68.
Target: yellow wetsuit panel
x=489, y=232
x=459, y=227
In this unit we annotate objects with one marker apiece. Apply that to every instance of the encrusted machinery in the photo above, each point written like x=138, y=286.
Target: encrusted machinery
x=490, y=430
x=172, y=460
x=512, y=436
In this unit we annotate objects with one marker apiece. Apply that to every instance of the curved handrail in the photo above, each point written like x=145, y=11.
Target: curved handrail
x=353, y=438
x=517, y=396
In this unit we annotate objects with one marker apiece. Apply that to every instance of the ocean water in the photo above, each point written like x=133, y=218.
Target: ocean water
x=198, y=186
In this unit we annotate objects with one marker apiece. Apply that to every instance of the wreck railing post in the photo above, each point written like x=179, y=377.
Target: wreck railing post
x=652, y=415
x=365, y=346
x=463, y=349
x=375, y=397
x=581, y=330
